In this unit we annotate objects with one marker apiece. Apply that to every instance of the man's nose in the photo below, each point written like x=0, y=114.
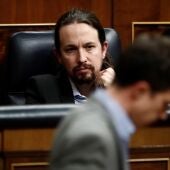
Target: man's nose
x=82, y=56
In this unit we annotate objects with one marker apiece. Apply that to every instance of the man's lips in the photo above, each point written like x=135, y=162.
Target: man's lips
x=82, y=70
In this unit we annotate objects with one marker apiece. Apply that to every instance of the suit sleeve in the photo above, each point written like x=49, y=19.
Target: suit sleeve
x=82, y=154
x=77, y=147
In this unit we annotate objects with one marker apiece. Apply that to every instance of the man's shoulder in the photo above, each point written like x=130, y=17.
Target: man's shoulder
x=90, y=120
x=44, y=77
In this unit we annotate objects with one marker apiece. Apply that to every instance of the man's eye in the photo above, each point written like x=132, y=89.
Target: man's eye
x=69, y=50
x=89, y=47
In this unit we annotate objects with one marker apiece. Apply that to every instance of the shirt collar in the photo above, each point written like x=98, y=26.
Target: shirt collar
x=75, y=91
x=123, y=124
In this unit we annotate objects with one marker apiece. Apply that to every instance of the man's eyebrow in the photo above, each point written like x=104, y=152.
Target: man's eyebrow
x=90, y=42
x=73, y=45
x=70, y=45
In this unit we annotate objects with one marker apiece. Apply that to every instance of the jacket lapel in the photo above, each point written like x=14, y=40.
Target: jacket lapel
x=66, y=92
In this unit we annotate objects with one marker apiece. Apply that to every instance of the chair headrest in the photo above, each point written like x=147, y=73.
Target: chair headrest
x=113, y=39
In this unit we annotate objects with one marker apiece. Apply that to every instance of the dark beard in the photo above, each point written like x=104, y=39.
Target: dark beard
x=83, y=78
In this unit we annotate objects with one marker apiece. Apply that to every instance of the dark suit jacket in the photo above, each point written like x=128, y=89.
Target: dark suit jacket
x=49, y=89
x=87, y=140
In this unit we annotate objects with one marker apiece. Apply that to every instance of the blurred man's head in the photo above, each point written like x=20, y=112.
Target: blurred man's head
x=144, y=69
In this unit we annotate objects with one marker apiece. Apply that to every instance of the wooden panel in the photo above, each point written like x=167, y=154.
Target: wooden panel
x=151, y=136
x=150, y=27
x=150, y=149
x=150, y=164
x=164, y=10
x=29, y=148
x=28, y=166
x=27, y=139
x=40, y=11
x=26, y=161
x=125, y=12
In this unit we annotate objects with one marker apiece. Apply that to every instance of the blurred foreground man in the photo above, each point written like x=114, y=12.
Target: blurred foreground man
x=95, y=136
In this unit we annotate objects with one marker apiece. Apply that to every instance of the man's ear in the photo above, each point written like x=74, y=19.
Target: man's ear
x=104, y=48
x=57, y=55
x=139, y=89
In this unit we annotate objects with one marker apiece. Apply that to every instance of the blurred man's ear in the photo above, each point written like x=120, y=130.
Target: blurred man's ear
x=139, y=89
x=57, y=55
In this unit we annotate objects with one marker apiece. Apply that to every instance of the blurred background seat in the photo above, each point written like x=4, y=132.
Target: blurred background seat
x=30, y=53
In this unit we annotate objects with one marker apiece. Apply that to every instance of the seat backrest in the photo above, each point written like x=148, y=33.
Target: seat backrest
x=31, y=53
x=114, y=42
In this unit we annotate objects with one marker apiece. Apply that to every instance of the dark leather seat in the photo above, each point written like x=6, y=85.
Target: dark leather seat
x=114, y=42
x=31, y=53
x=28, y=53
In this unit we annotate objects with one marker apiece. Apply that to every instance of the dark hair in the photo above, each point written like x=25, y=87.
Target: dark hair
x=82, y=16
x=79, y=16
x=148, y=59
